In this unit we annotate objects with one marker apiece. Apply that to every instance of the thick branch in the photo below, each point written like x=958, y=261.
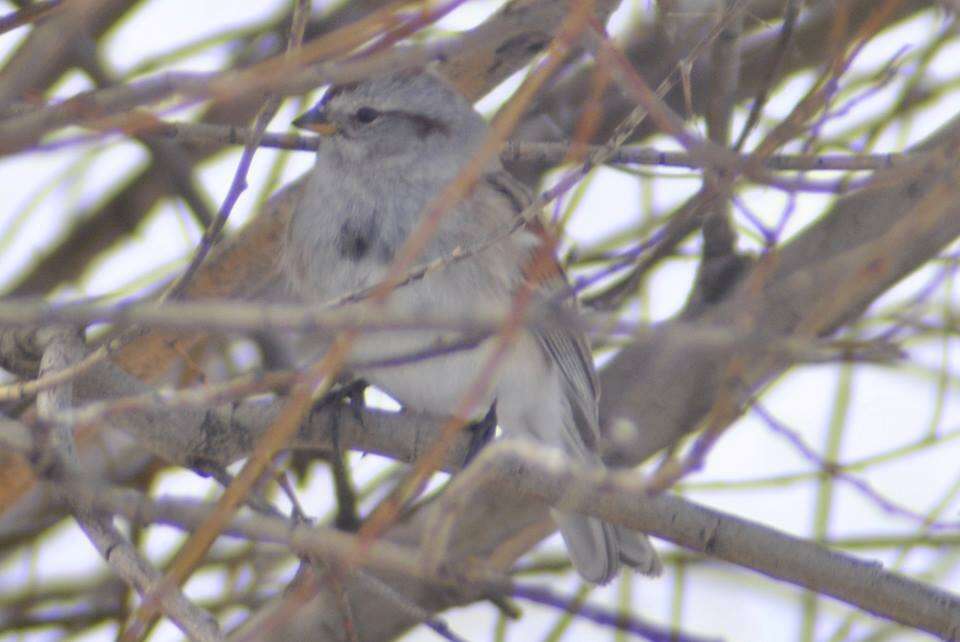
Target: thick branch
x=58, y=457
x=821, y=280
x=621, y=498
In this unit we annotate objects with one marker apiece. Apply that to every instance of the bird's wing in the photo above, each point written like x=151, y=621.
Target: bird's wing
x=562, y=344
x=597, y=549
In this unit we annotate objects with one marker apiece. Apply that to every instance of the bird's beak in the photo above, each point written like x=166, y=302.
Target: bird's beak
x=315, y=120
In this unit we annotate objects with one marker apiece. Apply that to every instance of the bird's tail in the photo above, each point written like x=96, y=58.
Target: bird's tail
x=597, y=549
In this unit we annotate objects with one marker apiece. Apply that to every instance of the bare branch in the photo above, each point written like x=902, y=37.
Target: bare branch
x=63, y=349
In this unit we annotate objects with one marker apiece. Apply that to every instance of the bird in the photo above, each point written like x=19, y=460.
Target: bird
x=389, y=145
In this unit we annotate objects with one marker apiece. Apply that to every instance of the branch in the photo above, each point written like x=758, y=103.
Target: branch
x=845, y=253
x=405, y=436
x=218, y=136
x=508, y=468
x=811, y=286
x=46, y=53
x=59, y=460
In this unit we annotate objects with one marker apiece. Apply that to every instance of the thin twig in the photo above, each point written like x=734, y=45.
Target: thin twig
x=620, y=621
x=791, y=12
x=189, y=555
x=28, y=14
x=206, y=134
x=63, y=350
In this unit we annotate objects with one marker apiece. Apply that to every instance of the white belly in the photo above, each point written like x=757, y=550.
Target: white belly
x=427, y=370
x=439, y=385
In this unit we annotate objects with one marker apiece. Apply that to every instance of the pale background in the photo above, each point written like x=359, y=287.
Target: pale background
x=889, y=406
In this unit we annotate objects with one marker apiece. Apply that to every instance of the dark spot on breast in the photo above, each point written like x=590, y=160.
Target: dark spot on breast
x=354, y=241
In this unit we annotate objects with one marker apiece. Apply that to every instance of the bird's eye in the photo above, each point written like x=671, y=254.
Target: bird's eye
x=366, y=115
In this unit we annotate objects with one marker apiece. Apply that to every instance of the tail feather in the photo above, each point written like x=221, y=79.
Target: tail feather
x=561, y=411
x=597, y=549
x=637, y=552
x=592, y=546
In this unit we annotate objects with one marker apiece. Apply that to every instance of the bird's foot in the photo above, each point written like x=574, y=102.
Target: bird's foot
x=481, y=433
x=349, y=393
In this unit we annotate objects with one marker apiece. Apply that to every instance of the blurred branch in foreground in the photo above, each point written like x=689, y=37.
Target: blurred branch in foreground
x=761, y=97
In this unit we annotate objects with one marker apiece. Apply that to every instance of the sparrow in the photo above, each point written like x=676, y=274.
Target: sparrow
x=389, y=145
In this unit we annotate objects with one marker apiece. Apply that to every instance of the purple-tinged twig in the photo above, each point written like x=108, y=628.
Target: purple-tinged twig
x=621, y=622
x=836, y=470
